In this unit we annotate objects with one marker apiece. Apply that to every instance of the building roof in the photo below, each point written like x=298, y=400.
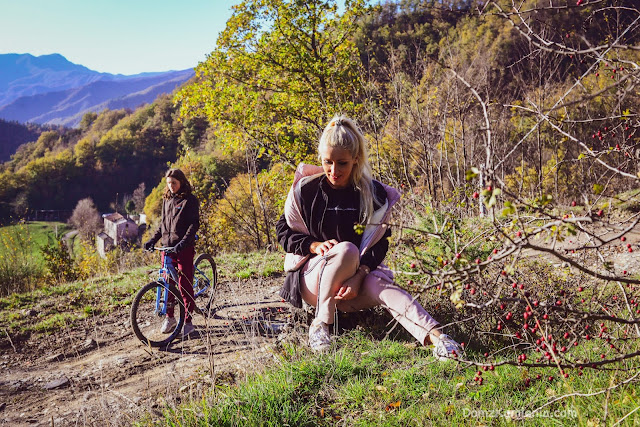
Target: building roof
x=113, y=217
x=104, y=236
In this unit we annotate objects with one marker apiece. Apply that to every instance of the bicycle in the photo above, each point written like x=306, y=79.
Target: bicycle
x=150, y=304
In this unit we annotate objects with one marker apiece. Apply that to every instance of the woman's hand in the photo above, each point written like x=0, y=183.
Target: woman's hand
x=321, y=248
x=351, y=287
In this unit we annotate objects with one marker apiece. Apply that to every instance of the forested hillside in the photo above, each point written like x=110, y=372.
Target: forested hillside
x=14, y=134
x=109, y=155
x=444, y=92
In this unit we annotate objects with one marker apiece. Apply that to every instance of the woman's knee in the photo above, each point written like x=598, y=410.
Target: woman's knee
x=346, y=252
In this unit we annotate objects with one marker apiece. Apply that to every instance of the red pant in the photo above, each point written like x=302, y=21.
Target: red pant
x=183, y=261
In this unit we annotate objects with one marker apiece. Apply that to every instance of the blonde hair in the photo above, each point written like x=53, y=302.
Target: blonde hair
x=342, y=132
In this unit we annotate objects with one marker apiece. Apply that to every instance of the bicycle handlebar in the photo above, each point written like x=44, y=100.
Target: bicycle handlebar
x=163, y=248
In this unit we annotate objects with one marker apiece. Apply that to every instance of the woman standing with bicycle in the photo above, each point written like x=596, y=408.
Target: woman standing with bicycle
x=329, y=264
x=178, y=226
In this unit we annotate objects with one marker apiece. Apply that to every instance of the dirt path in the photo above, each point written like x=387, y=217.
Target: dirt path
x=100, y=374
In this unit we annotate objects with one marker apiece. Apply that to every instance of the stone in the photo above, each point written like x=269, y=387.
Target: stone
x=55, y=358
x=59, y=383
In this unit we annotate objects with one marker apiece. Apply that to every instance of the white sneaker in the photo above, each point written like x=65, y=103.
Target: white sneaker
x=319, y=338
x=168, y=325
x=188, y=329
x=446, y=348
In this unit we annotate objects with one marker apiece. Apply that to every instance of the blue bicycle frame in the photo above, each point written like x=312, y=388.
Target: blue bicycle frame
x=199, y=288
x=166, y=269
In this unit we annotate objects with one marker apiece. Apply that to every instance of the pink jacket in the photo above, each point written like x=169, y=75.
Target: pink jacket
x=372, y=232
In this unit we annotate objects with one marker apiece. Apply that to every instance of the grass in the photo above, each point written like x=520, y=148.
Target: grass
x=362, y=381
x=242, y=266
x=69, y=303
x=39, y=233
x=365, y=382
x=45, y=310
x=21, y=259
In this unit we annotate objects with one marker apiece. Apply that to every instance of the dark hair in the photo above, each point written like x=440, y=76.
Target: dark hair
x=185, y=187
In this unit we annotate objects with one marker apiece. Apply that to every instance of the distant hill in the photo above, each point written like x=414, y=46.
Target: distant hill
x=13, y=134
x=49, y=89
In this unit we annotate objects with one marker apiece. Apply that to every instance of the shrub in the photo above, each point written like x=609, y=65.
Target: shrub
x=58, y=262
x=19, y=269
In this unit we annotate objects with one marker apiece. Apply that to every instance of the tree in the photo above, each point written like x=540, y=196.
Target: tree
x=130, y=207
x=138, y=198
x=280, y=70
x=535, y=285
x=86, y=219
x=87, y=120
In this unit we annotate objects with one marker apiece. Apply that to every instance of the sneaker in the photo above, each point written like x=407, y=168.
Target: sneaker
x=168, y=325
x=446, y=348
x=319, y=338
x=188, y=329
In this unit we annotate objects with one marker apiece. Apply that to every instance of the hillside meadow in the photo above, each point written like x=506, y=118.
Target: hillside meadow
x=374, y=374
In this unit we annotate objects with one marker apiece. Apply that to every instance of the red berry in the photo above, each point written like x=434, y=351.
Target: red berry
x=573, y=203
x=475, y=195
x=623, y=238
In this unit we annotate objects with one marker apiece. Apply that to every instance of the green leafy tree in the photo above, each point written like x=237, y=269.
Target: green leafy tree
x=280, y=70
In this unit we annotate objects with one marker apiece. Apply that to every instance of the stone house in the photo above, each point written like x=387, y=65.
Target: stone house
x=118, y=231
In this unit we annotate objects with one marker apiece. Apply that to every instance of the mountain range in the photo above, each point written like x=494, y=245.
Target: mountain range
x=49, y=89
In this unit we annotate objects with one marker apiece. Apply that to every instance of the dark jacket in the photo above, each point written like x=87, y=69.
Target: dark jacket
x=325, y=214
x=180, y=221
x=332, y=214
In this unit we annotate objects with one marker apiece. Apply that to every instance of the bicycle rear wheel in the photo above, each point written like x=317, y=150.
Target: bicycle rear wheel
x=205, y=280
x=147, y=321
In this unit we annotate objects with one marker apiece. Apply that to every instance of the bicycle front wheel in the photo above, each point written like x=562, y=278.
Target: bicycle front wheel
x=205, y=279
x=148, y=312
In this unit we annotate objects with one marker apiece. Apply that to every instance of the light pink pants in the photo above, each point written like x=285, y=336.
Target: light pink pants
x=323, y=276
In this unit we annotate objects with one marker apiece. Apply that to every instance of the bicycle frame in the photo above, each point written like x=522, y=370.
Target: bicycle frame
x=166, y=269
x=199, y=288
x=169, y=269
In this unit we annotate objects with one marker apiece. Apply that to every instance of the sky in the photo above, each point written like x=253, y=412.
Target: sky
x=115, y=36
